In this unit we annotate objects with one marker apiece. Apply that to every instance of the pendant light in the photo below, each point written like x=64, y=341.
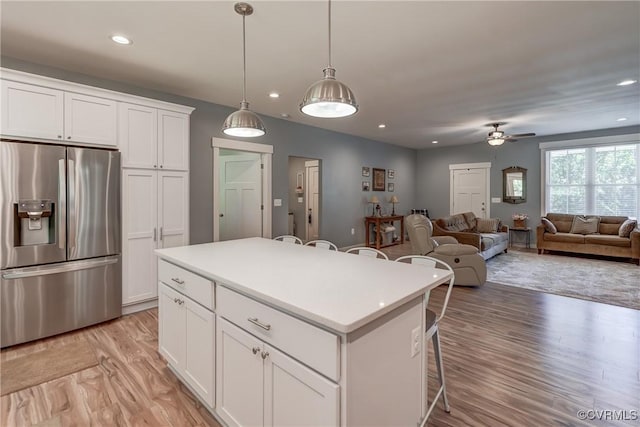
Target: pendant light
x=329, y=98
x=244, y=122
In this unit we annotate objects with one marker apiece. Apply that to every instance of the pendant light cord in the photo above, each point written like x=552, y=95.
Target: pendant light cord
x=244, y=63
x=329, y=33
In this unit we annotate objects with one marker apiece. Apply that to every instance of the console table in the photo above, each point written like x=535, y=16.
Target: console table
x=377, y=221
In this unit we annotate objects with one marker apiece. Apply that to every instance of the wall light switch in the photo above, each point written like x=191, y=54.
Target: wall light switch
x=277, y=202
x=300, y=200
x=496, y=200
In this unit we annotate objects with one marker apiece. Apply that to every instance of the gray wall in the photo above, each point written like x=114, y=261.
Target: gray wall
x=432, y=174
x=344, y=203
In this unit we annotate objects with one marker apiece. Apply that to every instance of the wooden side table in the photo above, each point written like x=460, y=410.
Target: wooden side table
x=376, y=221
x=525, y=230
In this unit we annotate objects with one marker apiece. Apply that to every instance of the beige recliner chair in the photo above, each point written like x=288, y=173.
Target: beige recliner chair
x=468, y=265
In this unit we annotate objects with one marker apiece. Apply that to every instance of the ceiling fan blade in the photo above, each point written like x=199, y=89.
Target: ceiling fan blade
x=521, y=135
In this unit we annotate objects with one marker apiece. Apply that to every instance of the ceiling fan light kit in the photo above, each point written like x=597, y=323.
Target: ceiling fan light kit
x=328, y=97
x=244, y=122
x=497, y=137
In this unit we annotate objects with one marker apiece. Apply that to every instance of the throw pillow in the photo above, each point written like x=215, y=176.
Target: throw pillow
x=582, y=225
x=487, y=225
x=548, y=226
x=627, y=227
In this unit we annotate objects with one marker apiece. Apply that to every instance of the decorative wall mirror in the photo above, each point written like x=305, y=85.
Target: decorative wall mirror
x=514, y=185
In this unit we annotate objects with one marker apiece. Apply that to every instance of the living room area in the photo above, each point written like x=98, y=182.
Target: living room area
x=550, y=335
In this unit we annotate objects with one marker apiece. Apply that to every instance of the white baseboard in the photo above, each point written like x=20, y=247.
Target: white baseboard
x=141, y=306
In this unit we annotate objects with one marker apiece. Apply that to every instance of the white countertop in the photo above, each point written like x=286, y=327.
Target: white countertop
x=339, y=291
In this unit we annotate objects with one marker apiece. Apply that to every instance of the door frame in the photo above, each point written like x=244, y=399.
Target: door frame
x=307, y=195
x=461, y=166
x=266, y=154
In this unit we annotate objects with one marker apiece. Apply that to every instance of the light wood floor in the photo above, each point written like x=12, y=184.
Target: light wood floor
x=512, y=357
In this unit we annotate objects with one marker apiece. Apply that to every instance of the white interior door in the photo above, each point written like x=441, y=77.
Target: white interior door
x=313, y=200
x=469, y=190
x=240, y=195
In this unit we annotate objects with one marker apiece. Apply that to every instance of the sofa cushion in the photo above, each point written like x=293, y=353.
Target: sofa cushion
x=606, y=239
x=487, y=225
x=562, y=222
x=626, y=228
x=548, y=226
x=453, y=223
x=611, y=224
x=583, y=225
x=488, y=240
x=564, y=237
x=470, y=217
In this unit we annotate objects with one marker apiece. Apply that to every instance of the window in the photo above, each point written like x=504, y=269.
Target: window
x=597, y=180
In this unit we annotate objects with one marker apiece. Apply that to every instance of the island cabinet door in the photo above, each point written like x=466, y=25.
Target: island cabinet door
x=239, y=376
x=199, y=362
x=171, y=318
x=295, y=395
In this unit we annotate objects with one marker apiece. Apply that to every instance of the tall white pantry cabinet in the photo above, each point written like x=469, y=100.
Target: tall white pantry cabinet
x=153, y=138
x=155, y=183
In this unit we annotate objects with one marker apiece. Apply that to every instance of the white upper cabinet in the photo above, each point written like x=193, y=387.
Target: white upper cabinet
x=151, y=138
x=90, y=120
x=151, y=134
x=32, y=111
x=173, y=140
x=138, y=136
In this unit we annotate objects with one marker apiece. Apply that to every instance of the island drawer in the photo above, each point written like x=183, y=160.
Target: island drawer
x=195, y=287
x=314, y=347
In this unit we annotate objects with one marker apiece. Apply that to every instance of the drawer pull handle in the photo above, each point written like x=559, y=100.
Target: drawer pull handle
x=265, y=354
x=255, y=350
x=177, y=280
x=256, y=322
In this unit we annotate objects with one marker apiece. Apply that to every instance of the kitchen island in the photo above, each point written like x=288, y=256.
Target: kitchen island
x=272, y=333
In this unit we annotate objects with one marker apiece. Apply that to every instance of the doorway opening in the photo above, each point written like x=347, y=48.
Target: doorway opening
x=305, y=198
x=241, y=189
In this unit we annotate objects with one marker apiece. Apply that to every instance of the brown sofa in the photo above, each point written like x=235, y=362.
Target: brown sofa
x=463, y=228
x=606, y=242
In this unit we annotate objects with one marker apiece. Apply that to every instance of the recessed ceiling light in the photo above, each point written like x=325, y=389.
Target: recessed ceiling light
x=121, y=39
x=621, y=119
x=274, y=95
x=434, y=142
x=382, y=126
x=626, y=82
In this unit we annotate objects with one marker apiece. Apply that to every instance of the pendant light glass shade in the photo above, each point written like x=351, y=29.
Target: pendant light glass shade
x=329, y=98
x=244, y=122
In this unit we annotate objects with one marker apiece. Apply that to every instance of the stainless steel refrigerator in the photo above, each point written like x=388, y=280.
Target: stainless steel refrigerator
x=60, y=239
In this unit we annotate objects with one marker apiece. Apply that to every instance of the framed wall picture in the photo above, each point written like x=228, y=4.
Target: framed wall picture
x=391, y=173
x=366, y=171
x=390, y=187
x=378, y=179
x=365, y=185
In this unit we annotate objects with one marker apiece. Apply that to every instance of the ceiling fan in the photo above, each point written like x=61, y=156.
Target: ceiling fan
x=497, y=137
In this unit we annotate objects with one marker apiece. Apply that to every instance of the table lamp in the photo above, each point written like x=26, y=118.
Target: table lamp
x=374, y=201
x=393, y=201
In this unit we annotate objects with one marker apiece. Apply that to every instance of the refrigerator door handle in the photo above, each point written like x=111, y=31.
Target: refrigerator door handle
x=62, y=204
x=21, y=273
x=72, y=208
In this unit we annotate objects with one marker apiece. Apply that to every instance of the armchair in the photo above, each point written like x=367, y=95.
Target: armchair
x=468, y=265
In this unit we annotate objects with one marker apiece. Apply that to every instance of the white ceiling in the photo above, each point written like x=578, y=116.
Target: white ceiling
x=429, y=70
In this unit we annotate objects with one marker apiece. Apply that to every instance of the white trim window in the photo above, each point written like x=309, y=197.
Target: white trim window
x=601, y=179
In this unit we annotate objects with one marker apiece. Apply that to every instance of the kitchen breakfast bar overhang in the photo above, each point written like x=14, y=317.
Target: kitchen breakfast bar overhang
x=272, y=333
